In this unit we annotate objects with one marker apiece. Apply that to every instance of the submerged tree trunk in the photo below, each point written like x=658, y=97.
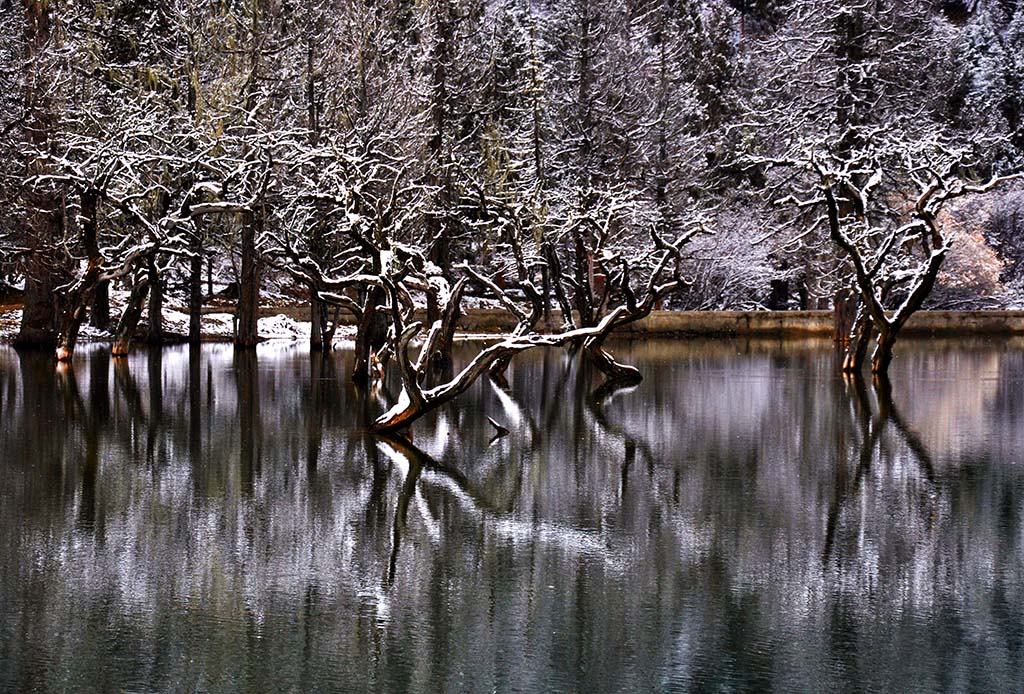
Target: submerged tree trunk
x=857, y=347
x=322, y=325
x=882, y=356
x=414, y=401
x=371, y=335
x=316, y=318
x=857, y=351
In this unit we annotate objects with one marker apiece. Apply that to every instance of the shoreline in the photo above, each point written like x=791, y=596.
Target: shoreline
x=289, y=323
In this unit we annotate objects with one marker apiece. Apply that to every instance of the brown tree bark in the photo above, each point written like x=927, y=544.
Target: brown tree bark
x=130, y=318
x=73, y=305
x=857, y=347
x=44, y=219
x=371, y=334
x=882, y=356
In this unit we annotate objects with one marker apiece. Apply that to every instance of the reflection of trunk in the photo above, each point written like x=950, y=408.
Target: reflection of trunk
x=314, y=417
x=246, y=375
x=154, y=373
x=195, y=431
x=99, y=389
x=130, y=318
x=249, y=284
x=406, y=494
x=87, y=503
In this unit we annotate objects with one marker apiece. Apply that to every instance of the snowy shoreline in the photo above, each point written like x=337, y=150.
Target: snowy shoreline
x=216, y=328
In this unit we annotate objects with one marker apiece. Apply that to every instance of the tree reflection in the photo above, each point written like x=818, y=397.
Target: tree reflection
x=872, y=425
x=243, y=527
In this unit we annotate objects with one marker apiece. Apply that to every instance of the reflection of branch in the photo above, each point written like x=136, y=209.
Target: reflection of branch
x=883, y=389
x=595, y=405
x=88, y=418
x=872, y=428
x=513, y=409
x=396, y=449
x=421, y=467
x=130, y=390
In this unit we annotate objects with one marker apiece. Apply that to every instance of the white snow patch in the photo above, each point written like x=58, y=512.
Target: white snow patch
x=281, y=327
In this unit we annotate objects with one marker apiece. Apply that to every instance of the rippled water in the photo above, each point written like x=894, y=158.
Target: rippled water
x=743, y=520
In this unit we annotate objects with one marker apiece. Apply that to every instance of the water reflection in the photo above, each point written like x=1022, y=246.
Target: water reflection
x=743, y=519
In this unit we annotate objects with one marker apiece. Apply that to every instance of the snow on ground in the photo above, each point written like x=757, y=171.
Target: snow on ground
x=281, y=327
x=215, y=326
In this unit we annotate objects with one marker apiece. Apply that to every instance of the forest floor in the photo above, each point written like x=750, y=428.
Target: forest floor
x=216, y=326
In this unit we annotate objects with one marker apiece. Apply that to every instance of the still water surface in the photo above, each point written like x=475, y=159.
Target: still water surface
x=744, y=520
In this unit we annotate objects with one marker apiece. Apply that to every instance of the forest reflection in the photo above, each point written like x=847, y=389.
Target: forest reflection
x=744, y=518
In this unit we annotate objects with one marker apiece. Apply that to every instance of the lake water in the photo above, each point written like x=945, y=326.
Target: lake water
x=744, y=520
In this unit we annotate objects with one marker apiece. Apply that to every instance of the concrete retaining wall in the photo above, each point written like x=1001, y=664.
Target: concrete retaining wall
x=821, y=323
x=766, y=323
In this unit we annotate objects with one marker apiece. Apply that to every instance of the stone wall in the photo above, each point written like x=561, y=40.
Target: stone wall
x=768, y=323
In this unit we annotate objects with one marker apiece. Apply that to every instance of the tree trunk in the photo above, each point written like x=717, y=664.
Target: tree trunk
x=195, y=292
x=882, y=356
x=44, y=219
x=130, y=319
x=38, y=329
x=316, y=342
x=371, y=334
x=321, y=331
x=156, y=305
x=857, y=348
x=74, y=302
x=99, y=313
x=441, y=359
x=249, y=285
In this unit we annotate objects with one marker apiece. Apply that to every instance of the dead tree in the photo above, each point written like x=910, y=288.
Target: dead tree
x=422, y=393
x=910, y=253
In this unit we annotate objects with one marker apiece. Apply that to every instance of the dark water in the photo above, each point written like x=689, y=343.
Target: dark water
x=744, y=520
